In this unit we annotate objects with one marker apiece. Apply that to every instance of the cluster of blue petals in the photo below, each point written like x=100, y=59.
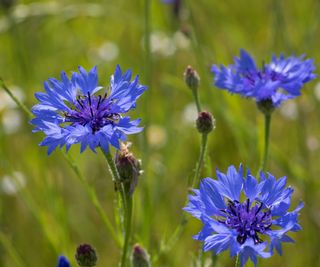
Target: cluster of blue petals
x=239, y=213
x=63, y=262
x=77, y=110
x=280, y=80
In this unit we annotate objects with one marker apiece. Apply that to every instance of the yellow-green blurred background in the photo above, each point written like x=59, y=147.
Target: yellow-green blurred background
x=45, y=210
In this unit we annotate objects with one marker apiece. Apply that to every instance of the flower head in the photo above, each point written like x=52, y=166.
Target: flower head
x=86, y=255
x=241, y=214
x=277, y=81
x=77, y=110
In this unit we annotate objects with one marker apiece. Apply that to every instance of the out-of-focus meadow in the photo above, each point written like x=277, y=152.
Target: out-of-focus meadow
x=45, y=209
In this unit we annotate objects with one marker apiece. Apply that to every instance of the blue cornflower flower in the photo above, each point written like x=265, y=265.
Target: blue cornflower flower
x=63, y=262
x=277, y=81
x=72, y=111
x=239, y=213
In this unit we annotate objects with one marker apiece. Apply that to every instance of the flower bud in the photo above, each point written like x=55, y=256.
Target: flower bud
x=140, y=257
x=266, y=106
x=86, y=256
x=191, y=78
x=205, y=122
x=63, y=262
x=128, y=166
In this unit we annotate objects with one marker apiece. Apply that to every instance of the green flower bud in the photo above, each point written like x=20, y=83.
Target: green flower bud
x=205, y=122
x=128, y=166
x=86, y=256
x=191, y=78
x=140, y=257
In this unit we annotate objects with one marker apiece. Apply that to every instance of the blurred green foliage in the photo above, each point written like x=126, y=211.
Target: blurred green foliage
x=44, y=208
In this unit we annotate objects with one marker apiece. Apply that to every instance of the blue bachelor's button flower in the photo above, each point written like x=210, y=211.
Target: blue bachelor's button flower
x=77, y=110
x=277, y=81
x=241, y=214
x=63, y=262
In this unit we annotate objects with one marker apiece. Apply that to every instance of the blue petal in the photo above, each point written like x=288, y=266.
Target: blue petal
x=230, y=185
x=87, y=82
x=251, y=188
x=217, y=242
x=210, y=196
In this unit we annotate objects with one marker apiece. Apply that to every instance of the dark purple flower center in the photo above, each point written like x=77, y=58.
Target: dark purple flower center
x=253, y=77
x=91, y=110
x=249, y=221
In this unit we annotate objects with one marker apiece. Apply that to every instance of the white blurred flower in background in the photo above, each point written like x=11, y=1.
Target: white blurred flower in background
x=10, y=116
x=11, y=184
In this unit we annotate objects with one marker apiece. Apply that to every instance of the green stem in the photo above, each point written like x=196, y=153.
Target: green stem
x=214, y=258
x=196, y=99
x=195, y=183
x=127, y=205
x=93, y=197
x=196, y=179
x=237, y=261
x=15, y=99
x=267, y=121
x=127, y=232
x=202, y=257
x=112, y=167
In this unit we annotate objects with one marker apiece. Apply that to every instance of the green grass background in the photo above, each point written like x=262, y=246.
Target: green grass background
x=52, y=213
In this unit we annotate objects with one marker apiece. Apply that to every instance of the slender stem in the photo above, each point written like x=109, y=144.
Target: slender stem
x=116, y=179
x=127, y=205
x=267, y=123
x=196, y=178
x=112, y=166
x=214, y=258
x=202, y=258
x=237, y=261
x=127, y=232
x=195, y=183
x=15, y=99
x=196, y=99
x=93, y=197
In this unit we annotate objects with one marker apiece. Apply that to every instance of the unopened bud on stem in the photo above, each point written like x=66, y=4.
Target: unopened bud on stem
x=191, y=78
x=140, y=257
x=128, y=166
x=86, y=256
x=205, y=122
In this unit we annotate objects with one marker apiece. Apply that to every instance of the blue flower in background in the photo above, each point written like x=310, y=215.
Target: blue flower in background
x=63, y=262
x=77, y=110
x=241, y=214
x=277, y=81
